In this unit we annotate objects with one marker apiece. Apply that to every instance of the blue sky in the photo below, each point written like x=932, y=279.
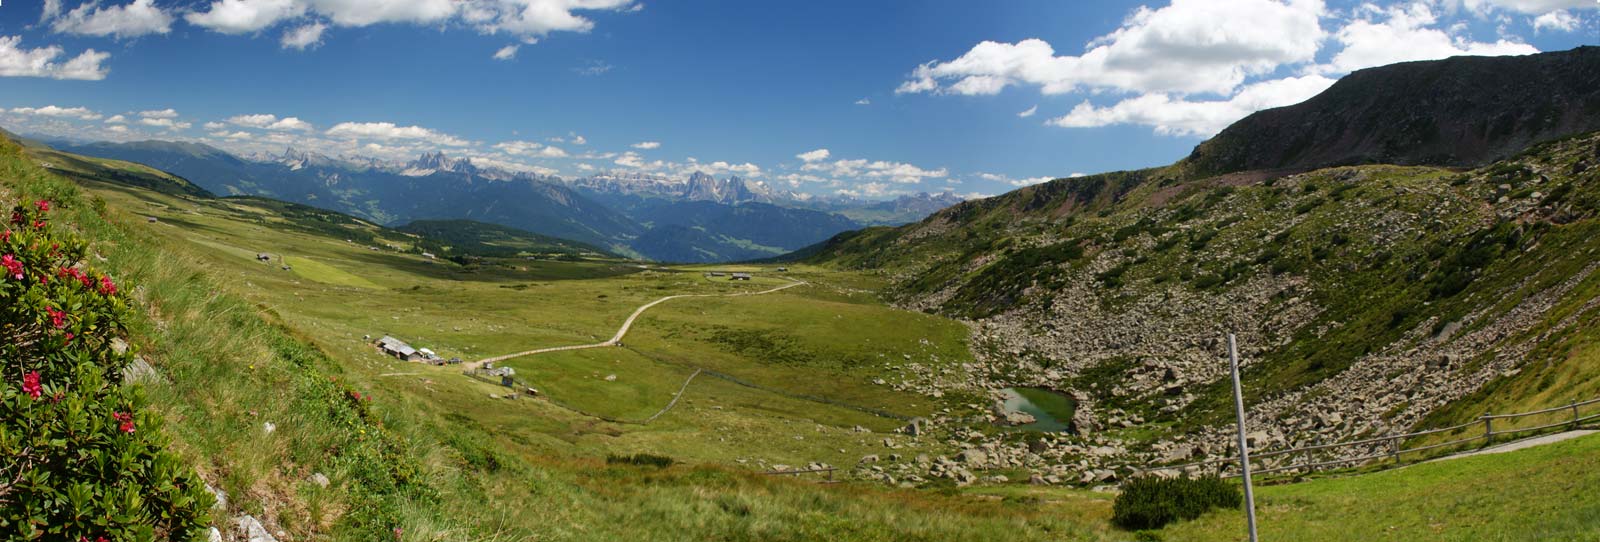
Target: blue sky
x=904, y=96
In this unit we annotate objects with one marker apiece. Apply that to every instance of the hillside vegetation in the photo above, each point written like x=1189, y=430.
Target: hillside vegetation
x=1369, y=299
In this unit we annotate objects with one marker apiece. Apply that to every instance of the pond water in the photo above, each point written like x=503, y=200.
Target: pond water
x=1052, y=411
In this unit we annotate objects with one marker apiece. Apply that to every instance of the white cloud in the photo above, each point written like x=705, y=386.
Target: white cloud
x=647, y=145
x=167, y=113
x=389, y=131
x=527, y=20
x=579, y=140
x=80, y=113
x=270, y=122
x=135, y=19
x=1404, y=34
x=507, y=53
x=533, y=18
x=16, y=61
x=1529, y=7
x=117, y=119
x=119, y=129
x=1179, y=116
x=864, y=101
x=530, y=148
x=245, y=16
x=1560, y=19
x=1030, y=181
x=164, y=123
x=1029, y=112
x=896, y=172
x=813, y=156
x=1190, y=46
x=307, y=36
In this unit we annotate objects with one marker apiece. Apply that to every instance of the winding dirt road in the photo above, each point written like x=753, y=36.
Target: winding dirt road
x=623, y=331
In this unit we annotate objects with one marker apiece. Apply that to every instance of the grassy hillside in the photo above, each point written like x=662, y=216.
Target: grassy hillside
x=469, y=238
x=240, y=344
x=1386, y=295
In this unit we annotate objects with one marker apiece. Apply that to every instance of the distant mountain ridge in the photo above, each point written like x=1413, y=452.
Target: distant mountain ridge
x=706, y=219
x=1462, y=111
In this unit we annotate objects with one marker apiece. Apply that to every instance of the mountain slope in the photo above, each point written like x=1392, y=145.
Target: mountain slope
x=1368, y=299
x=1463, y=111
x=433, y=187
x=485, y=239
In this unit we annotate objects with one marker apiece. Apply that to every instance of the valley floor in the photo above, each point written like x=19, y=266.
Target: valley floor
x=806, y=369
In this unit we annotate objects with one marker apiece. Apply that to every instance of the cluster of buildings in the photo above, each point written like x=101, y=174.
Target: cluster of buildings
x=400, y=350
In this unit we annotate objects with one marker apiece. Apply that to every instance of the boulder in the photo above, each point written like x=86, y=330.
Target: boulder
x=250, y=530
x=973, y=457
x=321, y=480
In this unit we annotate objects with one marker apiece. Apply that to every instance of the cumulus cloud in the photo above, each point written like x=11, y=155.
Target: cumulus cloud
x=307, y=36
x=1194, y=66
x=1404, y=33
x=164, y=123
x=647, y=145
x=1190, y=46
x=168, y=113
x=1171, y=115
x=864, y=101
x=813, y=156
x=507, y=53
x=1530, y=7
x=17, y=61
x=390, y=131
x=80, y=113
x=1560, y=19
x=526, y=20
x=117, y=119
x=1026, y=181
x=530, y=148
x=270, y=122
x=879, y=170
x=245, y=16
x=141, y=17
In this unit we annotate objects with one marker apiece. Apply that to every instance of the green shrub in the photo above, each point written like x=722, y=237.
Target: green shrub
x=80, y=456
x=1150, y=502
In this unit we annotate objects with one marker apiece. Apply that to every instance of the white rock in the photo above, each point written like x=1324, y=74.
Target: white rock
x=251, y=530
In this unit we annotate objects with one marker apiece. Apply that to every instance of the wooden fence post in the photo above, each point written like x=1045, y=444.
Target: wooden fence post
x=1574, y=415
x=1488, y=429
x=1394, y=449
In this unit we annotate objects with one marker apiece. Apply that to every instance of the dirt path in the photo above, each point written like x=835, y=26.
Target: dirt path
x=623, y=331
x=1522, y=444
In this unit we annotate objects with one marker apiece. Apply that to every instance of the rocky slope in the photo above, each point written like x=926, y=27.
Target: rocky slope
x=1367, y=299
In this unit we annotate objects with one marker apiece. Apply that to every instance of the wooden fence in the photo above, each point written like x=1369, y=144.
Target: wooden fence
x=1390, y=447
x=796, y=472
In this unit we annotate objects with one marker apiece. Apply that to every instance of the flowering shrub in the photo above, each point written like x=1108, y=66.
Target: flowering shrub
x=80, y=459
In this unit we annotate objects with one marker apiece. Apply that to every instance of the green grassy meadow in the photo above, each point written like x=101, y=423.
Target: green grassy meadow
x=242, y=343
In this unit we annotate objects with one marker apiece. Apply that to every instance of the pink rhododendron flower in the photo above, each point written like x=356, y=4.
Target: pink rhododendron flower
x=30, y=384
x=13, y=266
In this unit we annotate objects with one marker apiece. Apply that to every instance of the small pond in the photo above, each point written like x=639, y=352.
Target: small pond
x=1052, y=411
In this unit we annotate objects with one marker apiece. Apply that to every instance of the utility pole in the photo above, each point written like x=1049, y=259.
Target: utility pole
x=1244, y=448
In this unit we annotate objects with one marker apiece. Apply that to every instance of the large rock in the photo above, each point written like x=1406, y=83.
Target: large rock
x=973, y=458
x=250, y=530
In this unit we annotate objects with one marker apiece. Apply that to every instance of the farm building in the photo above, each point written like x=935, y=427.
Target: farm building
x=740, y=276
x=398, y=348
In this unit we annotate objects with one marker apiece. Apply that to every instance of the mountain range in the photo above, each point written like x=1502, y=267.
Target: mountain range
x=698, y=219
